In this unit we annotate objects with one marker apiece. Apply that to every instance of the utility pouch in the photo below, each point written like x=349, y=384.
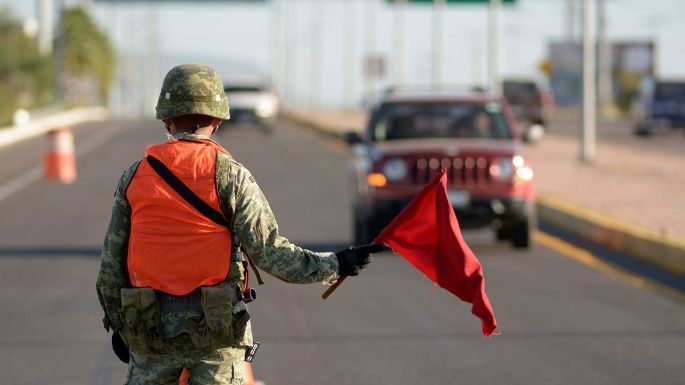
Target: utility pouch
x=198, y=333
x=242, y=336
x=141, y=319
x=217, y=303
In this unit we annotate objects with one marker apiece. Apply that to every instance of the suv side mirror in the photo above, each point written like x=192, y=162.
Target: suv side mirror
x=352, y=138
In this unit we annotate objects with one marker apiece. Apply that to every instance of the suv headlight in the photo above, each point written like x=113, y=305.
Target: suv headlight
x=502, y=168
x=266, y=108
x=524, y=173
x=395, y=169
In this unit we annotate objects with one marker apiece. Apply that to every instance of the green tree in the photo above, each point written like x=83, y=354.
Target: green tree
x=87, y=49
x=25, y=75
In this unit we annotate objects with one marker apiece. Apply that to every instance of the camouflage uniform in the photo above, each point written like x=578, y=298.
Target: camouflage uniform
x=255, y=227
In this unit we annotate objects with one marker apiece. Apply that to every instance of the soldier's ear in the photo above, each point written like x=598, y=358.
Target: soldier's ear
x=168, y=123
x=215, y=125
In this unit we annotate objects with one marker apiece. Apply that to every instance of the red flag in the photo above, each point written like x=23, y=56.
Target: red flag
x=426, y=233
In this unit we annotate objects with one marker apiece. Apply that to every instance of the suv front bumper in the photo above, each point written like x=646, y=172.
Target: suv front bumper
x=480, y=212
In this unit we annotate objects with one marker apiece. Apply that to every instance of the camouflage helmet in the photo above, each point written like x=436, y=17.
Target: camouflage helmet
x=192, y=89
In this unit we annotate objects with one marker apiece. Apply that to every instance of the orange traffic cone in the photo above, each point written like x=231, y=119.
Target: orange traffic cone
x=59, y=161
x=248, y=376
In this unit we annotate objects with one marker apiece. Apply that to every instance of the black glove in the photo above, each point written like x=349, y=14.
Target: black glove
x=120, y=348
x=354, y=258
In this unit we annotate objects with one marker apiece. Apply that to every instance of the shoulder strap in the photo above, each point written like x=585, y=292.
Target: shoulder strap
x=186, y=193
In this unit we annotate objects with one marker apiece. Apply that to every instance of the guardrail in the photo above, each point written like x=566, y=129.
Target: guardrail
x=13, y=134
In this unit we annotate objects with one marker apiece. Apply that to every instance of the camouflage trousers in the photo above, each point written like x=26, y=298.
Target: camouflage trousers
x=206, y=367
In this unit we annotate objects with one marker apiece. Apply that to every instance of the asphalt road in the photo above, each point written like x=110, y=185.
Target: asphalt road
x=561, y=322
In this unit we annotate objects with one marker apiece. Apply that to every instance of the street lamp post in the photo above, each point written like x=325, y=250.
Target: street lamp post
x=317, y=30
x=59, y=53
x=350, y=53
x=604, y=60
x=370, y=48
x=495, y=80
x=588, y=136
x=277, y=43
x=438, y=11
x=398, y=61
x=45, y=29
x=571, y=20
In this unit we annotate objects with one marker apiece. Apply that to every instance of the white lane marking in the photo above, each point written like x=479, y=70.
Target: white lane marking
x=20, y=182
x=98, y=139
x=589, y=259
x=85, y=147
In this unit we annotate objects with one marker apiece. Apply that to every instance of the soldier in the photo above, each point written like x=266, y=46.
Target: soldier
x=173, y=274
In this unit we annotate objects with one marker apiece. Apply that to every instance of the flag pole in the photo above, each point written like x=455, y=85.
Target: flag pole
x=333, y=287
x=366, y=249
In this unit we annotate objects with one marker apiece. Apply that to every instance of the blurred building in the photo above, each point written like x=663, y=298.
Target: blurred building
x=315, y=51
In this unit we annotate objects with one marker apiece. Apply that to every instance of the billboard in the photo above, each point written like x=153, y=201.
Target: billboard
x=566, y=78
x=631, y=61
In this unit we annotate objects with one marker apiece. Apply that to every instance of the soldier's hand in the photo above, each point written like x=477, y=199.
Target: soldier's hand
x=354, y=258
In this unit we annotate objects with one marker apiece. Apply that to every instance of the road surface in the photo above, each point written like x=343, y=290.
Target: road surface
x=562, y=322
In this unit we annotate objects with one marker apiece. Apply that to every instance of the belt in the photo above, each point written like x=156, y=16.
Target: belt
x=171, y=303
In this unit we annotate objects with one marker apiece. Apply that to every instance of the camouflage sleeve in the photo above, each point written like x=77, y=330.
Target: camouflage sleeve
x=256, y=228
x=113, y=275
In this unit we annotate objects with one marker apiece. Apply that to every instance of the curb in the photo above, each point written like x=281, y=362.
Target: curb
x=645, y=244
x=13, y=134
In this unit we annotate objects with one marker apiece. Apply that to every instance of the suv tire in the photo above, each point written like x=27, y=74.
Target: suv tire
x=642, y=130
x=521, y=233
x=503, y=234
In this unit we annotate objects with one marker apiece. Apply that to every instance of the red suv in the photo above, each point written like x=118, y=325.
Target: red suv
x=411, y=136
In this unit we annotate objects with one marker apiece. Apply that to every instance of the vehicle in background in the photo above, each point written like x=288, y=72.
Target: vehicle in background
x=659, y=106
x=528, y=103
x=252, y=103
x=473, y=136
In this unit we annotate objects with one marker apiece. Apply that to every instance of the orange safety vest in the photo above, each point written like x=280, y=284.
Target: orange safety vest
x=174, y=248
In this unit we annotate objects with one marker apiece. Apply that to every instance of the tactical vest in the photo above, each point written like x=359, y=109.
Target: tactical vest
x=173, y=248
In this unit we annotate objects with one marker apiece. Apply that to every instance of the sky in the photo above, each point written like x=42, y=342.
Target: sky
x=322, y=44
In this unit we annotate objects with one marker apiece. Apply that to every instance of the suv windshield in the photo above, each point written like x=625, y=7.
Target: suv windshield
x=670, y=91
x=440, y=120
x=521, y=93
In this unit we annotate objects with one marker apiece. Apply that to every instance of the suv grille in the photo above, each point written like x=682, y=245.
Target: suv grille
x=467, y=171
